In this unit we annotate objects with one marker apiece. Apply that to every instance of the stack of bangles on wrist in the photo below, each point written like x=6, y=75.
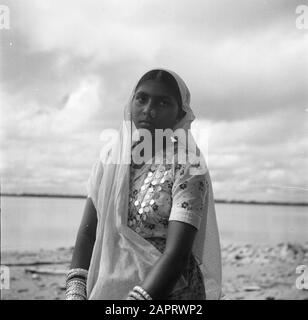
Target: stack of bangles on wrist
x=76, y=284
x=138, y=294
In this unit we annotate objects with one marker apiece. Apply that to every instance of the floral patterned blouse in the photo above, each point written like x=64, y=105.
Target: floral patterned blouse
x=163, y=192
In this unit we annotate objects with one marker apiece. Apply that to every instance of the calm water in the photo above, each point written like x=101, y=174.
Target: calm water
x=33, y=223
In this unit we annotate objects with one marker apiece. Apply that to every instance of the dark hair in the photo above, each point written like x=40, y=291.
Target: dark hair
x=169, y=81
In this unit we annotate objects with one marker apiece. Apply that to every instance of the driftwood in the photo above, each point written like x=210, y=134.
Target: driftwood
x=35, y=263
x=46, y=271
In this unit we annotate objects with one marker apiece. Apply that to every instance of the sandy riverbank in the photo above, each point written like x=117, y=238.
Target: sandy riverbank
x=249, y=272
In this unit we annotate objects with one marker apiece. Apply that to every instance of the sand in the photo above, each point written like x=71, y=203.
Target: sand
x=249, y=272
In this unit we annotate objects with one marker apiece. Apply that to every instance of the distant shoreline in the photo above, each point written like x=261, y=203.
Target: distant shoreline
x=74, y=196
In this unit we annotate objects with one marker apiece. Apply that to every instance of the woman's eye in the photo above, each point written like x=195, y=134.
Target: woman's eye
x=140, y=99
x=163, y=103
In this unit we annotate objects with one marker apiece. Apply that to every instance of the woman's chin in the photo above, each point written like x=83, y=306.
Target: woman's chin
x=144, y=124
x=147, y=126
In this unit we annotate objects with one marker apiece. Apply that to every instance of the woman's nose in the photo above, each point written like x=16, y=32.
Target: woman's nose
x=150, y=109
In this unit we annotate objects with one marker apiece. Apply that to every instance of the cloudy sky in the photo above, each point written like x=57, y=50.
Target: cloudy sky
x=67, y=69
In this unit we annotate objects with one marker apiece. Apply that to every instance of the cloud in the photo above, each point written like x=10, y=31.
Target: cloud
x=260, y=158
x=67, y=69
x=247, y=61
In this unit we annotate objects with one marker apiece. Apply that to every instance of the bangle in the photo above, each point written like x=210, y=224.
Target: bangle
x=76, y=284
x=136, y=295
x=75, y=297
x=72, y=294
x=77, y=272
x=76, y=292
x=141, y=291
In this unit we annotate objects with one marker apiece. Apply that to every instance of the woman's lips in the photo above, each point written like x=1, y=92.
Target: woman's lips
x=147, y=123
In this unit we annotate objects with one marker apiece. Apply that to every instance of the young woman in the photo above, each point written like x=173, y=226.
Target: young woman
x=149, y=227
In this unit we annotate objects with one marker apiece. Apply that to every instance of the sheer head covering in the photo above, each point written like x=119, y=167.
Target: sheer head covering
x=121, y=258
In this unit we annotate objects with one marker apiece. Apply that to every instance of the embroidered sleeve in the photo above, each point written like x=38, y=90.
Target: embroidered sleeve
x=189, y=194
x=94, y=181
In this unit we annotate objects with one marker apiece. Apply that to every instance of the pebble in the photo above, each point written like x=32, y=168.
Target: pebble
x=251, y=288
x=53, y=284
x=36, y=277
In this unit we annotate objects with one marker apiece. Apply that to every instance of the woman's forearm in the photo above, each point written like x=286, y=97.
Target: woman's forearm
x=163, y=276
x=83, y=251
x=76, y=280
x=85, y=237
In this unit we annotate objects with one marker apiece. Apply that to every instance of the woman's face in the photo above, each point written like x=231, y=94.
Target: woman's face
x=154, y=107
